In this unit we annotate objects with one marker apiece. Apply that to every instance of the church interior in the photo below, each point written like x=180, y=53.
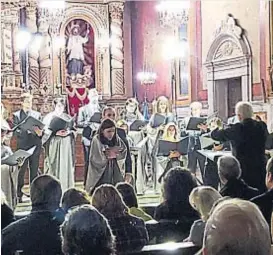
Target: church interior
x=132, y=55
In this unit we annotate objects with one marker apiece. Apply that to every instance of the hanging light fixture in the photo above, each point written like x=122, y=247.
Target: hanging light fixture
x=173, y=13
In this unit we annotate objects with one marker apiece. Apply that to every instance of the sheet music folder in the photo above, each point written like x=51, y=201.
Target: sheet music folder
x=165, y=147
x=194, y=122
x=214, y=155
x=96, y=118
x=58, y=123
x=137, y=125
x=158, y=120
x=12, y=160
x=29, y=123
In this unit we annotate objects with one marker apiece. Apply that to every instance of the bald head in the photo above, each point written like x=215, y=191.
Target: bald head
x=236, y=227
x=45, y=191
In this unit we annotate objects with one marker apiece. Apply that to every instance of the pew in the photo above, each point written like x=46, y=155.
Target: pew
x=185, y=248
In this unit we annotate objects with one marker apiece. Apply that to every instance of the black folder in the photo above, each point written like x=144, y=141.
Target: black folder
x=165, y=147
x=137, y=125
x=29, y=123
x=96, y=118
x=12, y=160
x=194, y=122
x=58, y=123
x=158, y=120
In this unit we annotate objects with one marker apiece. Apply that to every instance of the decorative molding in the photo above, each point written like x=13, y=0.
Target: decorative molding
x=227, y=49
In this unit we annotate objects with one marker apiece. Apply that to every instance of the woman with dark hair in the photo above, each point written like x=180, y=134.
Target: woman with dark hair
x=107, y=157
x=130, y=231
x=130, y=199
x=177, y=186
x=74, y=197
x=85, y=231
x=60, y=145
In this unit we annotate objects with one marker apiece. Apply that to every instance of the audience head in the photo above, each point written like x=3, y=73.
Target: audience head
x=128, y=194
x=196, y=108
x=107, y=130
x=85, y=231
x=26, y=101
x=236, y=227
x=177, y=186
x=45, y=192
x=244, y=110
x=228, y=168
x=109, y=113
x=108, y=201
x=269, y=175
x=74, y=197
x=202, y=199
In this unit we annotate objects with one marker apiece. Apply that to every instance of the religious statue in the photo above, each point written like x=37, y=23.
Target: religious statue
x=75, y=50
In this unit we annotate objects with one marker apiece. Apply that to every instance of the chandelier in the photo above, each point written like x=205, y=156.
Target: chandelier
x=173, y=13
x=53, y=11
x=146, y=77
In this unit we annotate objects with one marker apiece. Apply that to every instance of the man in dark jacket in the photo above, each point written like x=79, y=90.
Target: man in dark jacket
x=248, y=140
x=233, y=186
x=265, y=201
x=39, y=232
x=110, y=113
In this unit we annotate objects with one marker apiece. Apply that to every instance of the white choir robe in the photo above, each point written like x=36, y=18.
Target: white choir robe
x=60, y=155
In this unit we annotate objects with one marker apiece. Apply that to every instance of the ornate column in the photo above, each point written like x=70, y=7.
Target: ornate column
x=117, y=54
x=33, y=54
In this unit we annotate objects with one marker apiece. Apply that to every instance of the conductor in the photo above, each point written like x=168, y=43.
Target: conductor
x=248, y=139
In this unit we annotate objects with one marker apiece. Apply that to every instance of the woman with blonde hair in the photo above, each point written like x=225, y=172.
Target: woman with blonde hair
x=130, y=231
x=202, y=200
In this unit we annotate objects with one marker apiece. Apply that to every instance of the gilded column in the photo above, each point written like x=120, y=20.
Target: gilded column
x=33, y=51
x=117, y=51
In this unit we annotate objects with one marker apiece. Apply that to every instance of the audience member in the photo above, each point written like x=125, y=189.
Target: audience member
x=201, y=199
x=177, y=186
x=236, y=227
x=233, y=186
x=74, y=197
x=7, y=215
x=130, y=199
x=85, y=231
x=265, y=201
x=248, y=139
x=130, y=231
x=39, y=232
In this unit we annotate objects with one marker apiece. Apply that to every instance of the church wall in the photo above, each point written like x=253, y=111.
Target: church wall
x=146, y=32
x=247, y=14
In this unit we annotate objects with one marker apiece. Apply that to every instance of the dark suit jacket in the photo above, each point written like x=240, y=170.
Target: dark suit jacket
x=265, y=203
x=237, y=188
x=248, y=140
x=24, y=139
x=128, y=161
x=36, y=234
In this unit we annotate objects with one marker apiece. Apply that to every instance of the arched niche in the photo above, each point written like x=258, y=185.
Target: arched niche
x=229, y=57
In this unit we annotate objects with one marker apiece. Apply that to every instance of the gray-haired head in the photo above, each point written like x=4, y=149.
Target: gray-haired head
x=236, y=227
x=229, y=168
x=244, y=110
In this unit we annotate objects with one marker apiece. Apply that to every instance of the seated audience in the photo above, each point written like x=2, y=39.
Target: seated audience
x=74, y=197
x=130, y=231
x=39, y=232
x=177, y=186
x=130, y=199
x=265, y=201
x=236, y=227
x=85, y=231
x=175, y=214
x=229, y=170
x=201, y=199
x=7, y=215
